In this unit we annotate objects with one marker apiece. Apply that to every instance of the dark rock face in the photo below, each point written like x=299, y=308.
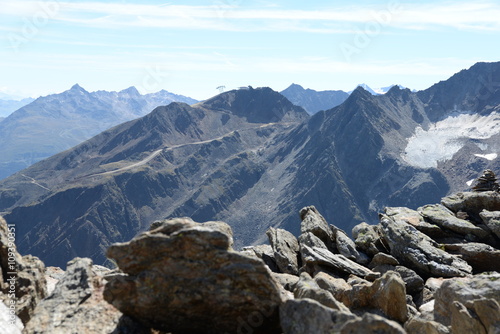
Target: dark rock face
x=181, y=277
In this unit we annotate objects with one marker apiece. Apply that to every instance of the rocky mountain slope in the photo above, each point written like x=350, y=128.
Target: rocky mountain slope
x=430, y=270
x=57, y=122
x=313, y=101
x=251, y=159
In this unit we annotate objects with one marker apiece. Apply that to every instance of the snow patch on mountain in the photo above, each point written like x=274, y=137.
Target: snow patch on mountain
x=445, y=138
x=491, y=156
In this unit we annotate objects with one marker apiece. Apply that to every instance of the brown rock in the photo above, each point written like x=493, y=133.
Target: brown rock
x=463, y=322
x=308, y=288
x=27, y=273
x=418, y=325
x=372, y=323
x=480, y=256
x=386, y=294
x=182, y=278
x=463, y=290
x=76, y=304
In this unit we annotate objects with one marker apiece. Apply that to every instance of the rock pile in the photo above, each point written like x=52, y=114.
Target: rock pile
x=430, y=270
x=486, y=182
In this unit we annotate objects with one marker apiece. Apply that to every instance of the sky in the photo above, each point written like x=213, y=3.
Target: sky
x=194, y=47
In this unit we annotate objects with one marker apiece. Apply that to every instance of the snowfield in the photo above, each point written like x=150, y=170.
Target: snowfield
x=445, y=138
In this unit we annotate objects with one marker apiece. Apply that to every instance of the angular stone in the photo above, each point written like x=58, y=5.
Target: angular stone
x=443, y=217
x=338, y=263
x=367, y=238
x=372, y=323
x=473, y=202
x=28, y=275
x=313, y=221
x=463, y=290
x=492, y=220
x=418, y=325
x=75, y=304
x=413, y=282
x=286, y=250
x=480, y=256
x=382, y=258
x=463, y=322
x=347, y=247
x=308, y=288
x=415, y=219
x=416, y=250
x=266, y=254
x=186, y=280
x=308, y=316
x=311, y=240
x=488, y=311
x=338, y=287
x=386, y=294
x=287, y=281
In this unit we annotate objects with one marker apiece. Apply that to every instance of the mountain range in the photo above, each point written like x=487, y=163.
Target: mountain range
x=57, y=122
x=8, y=106
x=252, y=159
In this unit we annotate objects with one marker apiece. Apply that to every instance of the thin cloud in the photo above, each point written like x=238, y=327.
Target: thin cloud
x=462, y=15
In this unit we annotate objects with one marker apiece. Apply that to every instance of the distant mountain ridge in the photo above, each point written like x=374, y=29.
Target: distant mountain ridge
x=8, y=106
x=313, y=101
x=57, y=122
x=253, y=159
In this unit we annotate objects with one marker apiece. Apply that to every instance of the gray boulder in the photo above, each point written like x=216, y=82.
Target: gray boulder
x=313, y=221
x=75, y=305
x=338, y=287
x=444, y=218
x=347, y=247
x=473, y=202
x=182, y=277
x=416, y=250
x=308, y=316
x=492, y=220
x=286, y=250
x=367, y=238
x=335, y=262
x=464, y=290
x=480, y=256
x=265, y=253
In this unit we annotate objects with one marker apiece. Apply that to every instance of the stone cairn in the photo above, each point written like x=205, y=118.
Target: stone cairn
x=486, y=182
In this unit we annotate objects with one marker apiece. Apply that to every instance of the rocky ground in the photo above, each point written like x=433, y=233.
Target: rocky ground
x=430, y=270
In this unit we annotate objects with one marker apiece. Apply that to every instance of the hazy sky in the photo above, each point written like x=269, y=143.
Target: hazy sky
x=192, y=47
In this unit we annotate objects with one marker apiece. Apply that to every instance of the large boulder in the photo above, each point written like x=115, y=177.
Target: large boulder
x=286, y=250
x=367, y=238
x=372, y=323
x=492, y=220
x=76, y=304
x=444, y=218
x=473, y=202
x=416, y=250
x=480, y=256
x=22, y=276
x=182, y=277
x=464, y=290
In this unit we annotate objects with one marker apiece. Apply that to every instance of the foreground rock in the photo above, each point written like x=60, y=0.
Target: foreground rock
x=419, y=252
x=75, y=305
x=22, y=277
x=182, y=277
